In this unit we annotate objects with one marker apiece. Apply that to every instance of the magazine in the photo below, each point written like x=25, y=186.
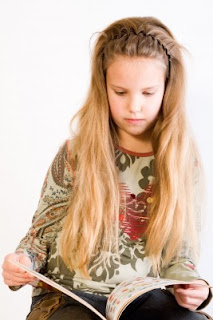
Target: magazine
x=124, y=293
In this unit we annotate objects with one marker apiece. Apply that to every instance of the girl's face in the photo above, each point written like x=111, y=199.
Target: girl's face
x=135, y=88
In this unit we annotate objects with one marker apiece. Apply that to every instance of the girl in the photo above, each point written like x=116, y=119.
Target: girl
x=121, y=198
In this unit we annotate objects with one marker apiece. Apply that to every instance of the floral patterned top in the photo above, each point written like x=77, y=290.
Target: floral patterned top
x=41, y=242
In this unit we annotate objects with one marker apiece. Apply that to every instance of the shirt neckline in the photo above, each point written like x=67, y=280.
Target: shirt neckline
x=137, y=154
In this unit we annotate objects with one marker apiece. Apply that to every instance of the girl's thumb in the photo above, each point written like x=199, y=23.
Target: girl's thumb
x=23, y=259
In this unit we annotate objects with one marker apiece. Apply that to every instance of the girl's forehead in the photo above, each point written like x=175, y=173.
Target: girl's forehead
x=133, y=69
x=134, y=60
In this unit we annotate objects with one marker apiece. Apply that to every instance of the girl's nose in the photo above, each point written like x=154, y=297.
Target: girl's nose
x=135, y=104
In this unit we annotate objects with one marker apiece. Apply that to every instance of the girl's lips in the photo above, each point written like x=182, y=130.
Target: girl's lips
x=134, y=121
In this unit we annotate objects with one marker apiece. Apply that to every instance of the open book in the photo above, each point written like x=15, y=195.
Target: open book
x=120, y=297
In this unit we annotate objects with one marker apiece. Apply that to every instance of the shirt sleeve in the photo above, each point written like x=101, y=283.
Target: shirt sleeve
x=52, y=208
x=183, y=267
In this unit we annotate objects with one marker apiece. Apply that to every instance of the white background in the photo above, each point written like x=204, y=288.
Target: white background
x=44, y=75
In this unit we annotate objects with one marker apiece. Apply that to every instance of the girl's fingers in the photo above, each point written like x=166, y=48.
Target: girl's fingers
x=194, y=290
x=191, y=296
x=24, y=260
x=18, y=277
x=7, y=265
x=186, y=303
x=13, y=275
x=15, y=283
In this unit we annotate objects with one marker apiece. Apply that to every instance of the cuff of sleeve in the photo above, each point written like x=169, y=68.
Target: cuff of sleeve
x=15, y=288
x=30, y=255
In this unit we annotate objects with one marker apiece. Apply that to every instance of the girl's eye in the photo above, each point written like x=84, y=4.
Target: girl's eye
x=120, y=93
x=148, y=93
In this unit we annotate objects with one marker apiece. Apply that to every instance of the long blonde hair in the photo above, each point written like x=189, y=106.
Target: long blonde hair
x=92, y=222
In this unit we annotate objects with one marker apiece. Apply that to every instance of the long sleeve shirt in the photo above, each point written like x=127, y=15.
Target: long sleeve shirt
x=41, y=243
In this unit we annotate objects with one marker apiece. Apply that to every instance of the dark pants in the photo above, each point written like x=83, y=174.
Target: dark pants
x=156, y=304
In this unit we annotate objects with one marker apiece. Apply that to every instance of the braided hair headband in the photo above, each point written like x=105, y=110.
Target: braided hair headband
x=162, y=45
x=132, y=31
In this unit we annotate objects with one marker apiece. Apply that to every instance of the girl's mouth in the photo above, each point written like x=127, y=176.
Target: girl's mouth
x=134, y=121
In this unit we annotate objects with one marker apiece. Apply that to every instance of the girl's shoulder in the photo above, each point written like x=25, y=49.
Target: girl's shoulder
x=70, y=149
x=63, y=166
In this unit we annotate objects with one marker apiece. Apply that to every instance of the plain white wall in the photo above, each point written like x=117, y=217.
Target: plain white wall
x=44, y=74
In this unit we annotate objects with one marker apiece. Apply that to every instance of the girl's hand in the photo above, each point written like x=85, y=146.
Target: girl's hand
x=191, y=296
x=15, y=276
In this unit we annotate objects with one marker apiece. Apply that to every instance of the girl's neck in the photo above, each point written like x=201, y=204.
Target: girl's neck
x=136, y=144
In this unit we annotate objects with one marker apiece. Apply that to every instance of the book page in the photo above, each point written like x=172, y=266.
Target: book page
x=58, y=287
x=128, y=291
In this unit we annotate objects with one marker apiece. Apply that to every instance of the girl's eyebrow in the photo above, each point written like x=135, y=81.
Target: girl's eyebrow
x=117, y=87
x=146, y=88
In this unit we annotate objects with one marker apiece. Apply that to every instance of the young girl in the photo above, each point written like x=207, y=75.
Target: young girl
x=121, y=198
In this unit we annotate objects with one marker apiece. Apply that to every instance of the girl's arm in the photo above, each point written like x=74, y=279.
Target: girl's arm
x=191, y=296
x=47, y=220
